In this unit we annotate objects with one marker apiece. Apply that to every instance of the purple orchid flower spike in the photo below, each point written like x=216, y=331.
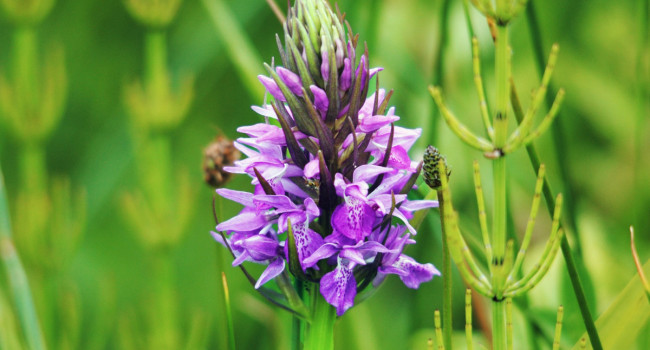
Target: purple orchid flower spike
x=330, y=171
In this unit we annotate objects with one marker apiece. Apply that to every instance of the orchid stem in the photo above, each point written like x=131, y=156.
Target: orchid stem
x=296, y=322
x=320, y=334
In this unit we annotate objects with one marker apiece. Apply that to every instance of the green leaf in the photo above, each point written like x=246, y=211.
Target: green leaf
x=622, y=322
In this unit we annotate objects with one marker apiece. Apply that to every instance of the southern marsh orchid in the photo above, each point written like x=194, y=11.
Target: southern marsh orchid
x=330, y=170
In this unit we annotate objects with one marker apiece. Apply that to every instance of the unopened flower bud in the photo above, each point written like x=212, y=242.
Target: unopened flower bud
x=432, y=158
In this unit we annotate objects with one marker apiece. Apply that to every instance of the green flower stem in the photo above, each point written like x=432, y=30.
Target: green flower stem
x=156, y=63
x=25, y=64
x=320, y=334
x=447, y=326
x=18, y=278
x=566, y=248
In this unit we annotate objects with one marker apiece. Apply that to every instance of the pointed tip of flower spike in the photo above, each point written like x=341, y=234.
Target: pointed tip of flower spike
x=432, y=158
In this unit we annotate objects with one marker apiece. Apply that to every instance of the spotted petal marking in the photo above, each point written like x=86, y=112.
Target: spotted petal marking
x=353, y=219
x=339, y=287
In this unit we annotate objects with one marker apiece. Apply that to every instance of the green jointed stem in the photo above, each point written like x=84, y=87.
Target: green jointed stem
x=566, y=248
x=499, y=324
x=18, y=278
x=499, y=170
x=447, y=326
x=320, y=334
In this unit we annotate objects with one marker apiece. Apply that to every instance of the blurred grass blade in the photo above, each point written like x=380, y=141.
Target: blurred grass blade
x=620, y=324
x=637, y=262
x=17, y=277
x=238, y=46
x=231, y=325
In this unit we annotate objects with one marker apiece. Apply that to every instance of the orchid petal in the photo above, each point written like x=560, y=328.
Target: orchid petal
x=339, y=288
x=273, y=270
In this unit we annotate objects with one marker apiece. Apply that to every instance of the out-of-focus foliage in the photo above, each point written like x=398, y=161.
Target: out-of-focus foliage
x=93, y=146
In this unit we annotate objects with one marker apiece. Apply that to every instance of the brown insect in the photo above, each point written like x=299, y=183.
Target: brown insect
x=219, y=153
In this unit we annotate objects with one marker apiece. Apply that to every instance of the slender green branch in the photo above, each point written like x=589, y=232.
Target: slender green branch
x=558, y=328
x=18, y=278
x=468, y=319
x=481, y=213
x=436, y=322
x=559, y=141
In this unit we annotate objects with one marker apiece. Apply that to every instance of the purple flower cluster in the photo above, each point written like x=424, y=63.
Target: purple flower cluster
x=330, y=170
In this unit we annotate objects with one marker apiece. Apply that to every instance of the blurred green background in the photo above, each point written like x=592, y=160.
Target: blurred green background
x=605, y=131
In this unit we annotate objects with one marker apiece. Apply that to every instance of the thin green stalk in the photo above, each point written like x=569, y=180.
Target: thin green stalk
x=438, y=75
x=320, y=334
x=566, y=248
x=447, y=326
x=558, y=129
x=18, y=278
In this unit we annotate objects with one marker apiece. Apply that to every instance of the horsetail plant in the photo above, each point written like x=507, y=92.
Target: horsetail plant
x=161, y=209
x=329, y=213
x=501, y=282
x=48, y=214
